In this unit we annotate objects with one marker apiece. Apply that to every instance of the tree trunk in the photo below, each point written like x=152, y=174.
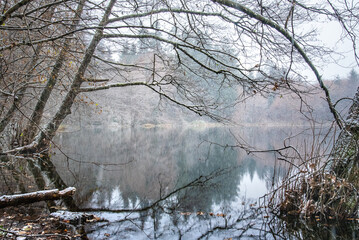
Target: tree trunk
x=31, y=128
x=54, y=194
x=49, y=174
x=345, y=155
x=45, y=136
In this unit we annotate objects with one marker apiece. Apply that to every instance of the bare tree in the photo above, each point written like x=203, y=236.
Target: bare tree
x=191, y=46
x=38, y=111
x=37, y=22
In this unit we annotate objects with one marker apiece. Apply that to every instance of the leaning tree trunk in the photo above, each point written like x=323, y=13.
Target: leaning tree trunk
x=43, y=138
x=31, y=128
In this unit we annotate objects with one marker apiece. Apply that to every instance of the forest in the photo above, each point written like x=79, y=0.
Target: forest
x=163, y=109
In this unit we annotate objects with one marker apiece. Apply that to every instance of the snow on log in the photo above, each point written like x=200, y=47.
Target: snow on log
x=53, y=194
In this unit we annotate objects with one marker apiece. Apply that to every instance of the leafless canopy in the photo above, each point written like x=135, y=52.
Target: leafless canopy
x=186, y=50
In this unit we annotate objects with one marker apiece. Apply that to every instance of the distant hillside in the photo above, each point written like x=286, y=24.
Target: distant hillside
x=133, y=106
x=289, y=109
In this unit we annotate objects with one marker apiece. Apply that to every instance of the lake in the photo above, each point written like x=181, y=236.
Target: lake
x=184, y=182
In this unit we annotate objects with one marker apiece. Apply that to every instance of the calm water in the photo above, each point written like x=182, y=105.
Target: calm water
x=202, y=188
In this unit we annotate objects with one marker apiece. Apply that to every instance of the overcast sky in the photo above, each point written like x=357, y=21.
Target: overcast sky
x=341, y=65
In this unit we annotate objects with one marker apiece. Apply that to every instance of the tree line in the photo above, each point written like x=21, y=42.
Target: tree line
x=55, y=53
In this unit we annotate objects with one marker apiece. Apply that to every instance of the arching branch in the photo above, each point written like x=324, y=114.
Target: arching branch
x=296, y=45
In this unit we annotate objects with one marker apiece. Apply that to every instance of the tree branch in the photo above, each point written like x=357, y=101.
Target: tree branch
x=14, y=8
x=115, y=85
x=94, y=80
x=286, y=34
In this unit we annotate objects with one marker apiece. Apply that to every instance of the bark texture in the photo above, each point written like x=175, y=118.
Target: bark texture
x=37, y=114
x=345, y=155
x=26, y=198
x=65, y=109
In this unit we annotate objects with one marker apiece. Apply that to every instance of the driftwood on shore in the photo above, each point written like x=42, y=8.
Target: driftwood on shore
x=53, y=194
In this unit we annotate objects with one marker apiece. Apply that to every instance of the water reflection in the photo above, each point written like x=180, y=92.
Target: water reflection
x=136, y=167
x=131, y=168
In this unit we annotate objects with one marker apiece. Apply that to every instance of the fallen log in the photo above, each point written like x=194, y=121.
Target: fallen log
x=53, y=194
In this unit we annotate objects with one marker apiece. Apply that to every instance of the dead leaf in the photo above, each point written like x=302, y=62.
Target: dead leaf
x=27, y=228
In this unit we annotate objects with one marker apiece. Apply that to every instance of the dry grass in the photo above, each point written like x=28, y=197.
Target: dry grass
x=311, y=189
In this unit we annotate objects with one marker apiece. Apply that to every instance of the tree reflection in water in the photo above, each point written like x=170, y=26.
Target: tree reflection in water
x=132, y=168
x=172, y=184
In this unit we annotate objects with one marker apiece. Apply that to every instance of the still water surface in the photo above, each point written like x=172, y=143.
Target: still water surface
x=196, y=186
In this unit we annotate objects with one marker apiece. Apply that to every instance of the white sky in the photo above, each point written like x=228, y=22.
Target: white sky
x=341, y=65
x=330, y=33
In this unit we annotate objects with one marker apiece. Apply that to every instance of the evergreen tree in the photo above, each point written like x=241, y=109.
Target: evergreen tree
x=353, y=76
